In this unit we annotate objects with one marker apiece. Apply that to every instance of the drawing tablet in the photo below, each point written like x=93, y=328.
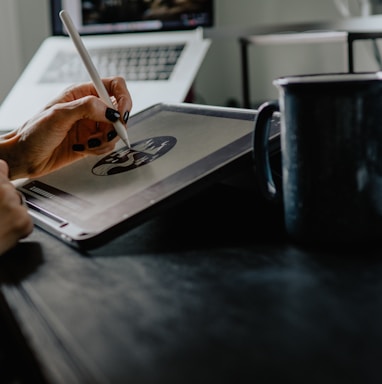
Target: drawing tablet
x=175, y=150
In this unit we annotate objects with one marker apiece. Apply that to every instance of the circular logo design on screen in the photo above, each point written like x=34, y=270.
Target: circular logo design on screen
x=141, y=153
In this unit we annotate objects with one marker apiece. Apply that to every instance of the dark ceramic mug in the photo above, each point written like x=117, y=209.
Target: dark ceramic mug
x=331, y=153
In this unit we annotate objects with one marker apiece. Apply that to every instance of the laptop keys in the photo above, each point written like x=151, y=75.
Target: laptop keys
x=133, y=63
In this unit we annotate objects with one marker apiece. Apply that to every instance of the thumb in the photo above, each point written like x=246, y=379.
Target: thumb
x=4, y=169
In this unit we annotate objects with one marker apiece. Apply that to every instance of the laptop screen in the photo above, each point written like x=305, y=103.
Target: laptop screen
x=121, y=16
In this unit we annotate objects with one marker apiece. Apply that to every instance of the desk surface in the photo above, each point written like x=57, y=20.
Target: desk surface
x=210, y=292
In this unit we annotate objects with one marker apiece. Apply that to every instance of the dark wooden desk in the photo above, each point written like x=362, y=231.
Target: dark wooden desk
x=210, y=292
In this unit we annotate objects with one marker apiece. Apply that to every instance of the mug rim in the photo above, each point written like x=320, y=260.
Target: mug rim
x=328, y=78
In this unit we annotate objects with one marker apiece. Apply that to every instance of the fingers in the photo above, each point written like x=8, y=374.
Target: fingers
x=116, y=87
x=4, y=170
x=86, y=108
x=81, y=104
x=102, y=140
x=95, y=132
x=15, y=220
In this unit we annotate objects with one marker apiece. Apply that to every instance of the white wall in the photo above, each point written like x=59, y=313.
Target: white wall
x=23, y=26
x=34, y=25
x=25, y=23
x=10, y=57
x=220, y=76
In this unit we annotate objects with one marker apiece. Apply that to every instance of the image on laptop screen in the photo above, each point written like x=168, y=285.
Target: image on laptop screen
x=113, y=16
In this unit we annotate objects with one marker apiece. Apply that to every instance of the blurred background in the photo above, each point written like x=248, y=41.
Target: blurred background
x=25, y=23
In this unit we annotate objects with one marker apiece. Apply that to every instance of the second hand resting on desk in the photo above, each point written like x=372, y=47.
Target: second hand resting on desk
x=101, y=90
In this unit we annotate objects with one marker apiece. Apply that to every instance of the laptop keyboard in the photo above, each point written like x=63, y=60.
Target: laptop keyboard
x=132, y=63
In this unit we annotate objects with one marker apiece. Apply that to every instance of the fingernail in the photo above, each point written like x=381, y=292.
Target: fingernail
x=126, y=116
x=92, y=143
x=78, y=147
x=112, y=114
x=111, y=135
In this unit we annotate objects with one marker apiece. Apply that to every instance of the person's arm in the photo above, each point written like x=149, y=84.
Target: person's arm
x=75, y=124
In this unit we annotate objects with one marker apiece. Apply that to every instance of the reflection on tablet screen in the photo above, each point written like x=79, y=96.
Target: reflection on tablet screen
x=140, y=153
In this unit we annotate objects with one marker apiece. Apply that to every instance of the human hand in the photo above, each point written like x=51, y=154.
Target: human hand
x=15, y=220
x=75, y=124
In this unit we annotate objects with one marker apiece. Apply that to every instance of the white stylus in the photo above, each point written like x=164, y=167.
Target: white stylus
x=98, y=84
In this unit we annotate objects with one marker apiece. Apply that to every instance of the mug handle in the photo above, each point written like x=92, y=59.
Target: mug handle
x=261, y=155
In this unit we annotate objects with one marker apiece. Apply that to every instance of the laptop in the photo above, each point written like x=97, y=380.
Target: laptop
x=157, y=46
x=92, y=201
